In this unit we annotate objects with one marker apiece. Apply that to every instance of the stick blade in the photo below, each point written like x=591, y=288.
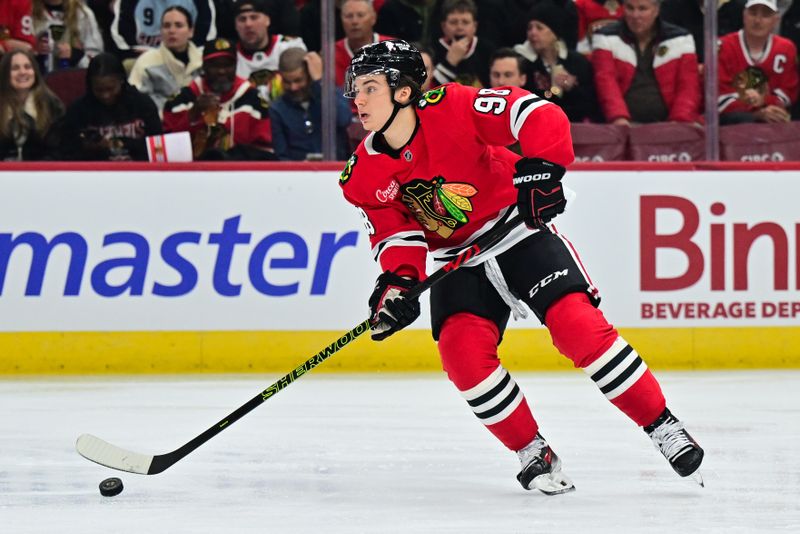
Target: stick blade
x=101, y=452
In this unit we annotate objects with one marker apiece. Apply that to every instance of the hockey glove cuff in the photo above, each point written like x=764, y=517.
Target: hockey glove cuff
x=540, y=195
x=390, y=311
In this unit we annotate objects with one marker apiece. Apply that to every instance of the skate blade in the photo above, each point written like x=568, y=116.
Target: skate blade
x=697, y=477
x=553, y=483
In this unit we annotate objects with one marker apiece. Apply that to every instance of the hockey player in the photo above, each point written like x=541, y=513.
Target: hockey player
x=431, y=177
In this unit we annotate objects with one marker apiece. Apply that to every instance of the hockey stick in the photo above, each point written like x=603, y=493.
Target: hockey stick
x=104, y=453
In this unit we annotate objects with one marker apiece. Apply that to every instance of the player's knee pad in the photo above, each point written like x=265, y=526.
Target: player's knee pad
x=578, y=329
x=468, y=348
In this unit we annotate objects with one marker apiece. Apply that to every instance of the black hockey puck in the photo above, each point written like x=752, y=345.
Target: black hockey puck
x=110, y=487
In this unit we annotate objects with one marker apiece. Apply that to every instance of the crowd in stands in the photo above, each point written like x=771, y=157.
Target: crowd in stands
x=93, y=79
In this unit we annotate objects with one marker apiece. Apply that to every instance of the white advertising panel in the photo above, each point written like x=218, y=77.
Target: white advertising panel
x=246, y=250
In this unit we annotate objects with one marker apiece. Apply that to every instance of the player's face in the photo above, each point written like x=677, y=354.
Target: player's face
x=358, y=19
x=22, y=74
x=175, y=31
x=541, y=36
x=640, y=16
x=373, y=101
x=505, y=71
x=759, y=21
x=252, y=28
x=458, y=25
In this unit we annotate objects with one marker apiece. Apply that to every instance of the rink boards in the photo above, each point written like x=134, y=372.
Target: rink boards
x=238, y=269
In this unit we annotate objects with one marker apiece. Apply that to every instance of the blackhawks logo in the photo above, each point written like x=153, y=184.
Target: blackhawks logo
x=431, y=98
x=439, y=206
x=348, y=170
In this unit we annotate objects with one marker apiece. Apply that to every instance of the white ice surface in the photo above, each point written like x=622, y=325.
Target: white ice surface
x=393, y=453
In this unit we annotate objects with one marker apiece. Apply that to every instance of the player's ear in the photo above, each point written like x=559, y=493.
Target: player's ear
x=402, y=94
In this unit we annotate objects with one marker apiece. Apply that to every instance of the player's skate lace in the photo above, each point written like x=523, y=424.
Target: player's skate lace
x=541, y=468
x=677, y=446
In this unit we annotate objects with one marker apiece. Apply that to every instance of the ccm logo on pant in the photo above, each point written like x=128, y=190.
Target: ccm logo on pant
x=546, y=280
x=531, y=178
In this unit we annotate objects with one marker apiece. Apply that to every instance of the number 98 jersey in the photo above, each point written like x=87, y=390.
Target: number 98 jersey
x=452, y=181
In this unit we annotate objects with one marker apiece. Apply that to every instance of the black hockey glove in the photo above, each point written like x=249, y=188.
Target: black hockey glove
x=389, y=310
x=540, y=195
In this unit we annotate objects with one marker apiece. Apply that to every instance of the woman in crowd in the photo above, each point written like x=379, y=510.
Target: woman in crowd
x=561, y=75
x=66, y=32
x=112, y=120
x=29, y=111
x=161, y=72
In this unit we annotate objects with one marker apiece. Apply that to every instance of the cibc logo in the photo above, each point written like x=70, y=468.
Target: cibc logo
x=742, y=236
x=681, y=156
x=775, y=156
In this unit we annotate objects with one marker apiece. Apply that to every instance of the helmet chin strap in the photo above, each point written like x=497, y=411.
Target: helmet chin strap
x=395, y=110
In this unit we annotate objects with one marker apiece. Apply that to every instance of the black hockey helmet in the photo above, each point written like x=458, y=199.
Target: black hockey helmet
x=391, y=58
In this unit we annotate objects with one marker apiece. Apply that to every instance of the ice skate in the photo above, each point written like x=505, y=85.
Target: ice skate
x=677, y=446
x=541, y=469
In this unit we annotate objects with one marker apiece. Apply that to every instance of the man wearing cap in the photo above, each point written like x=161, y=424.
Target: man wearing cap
x=645, y=69
x=224, y=113
x=258, y=51
x=758, y=78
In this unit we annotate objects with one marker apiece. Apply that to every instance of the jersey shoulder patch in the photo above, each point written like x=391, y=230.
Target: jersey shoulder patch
x=347, y=172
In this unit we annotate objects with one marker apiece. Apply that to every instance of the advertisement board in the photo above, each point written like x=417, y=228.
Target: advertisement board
x=201, y=251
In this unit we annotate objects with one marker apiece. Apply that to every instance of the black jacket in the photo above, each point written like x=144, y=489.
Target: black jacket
x=127, y=123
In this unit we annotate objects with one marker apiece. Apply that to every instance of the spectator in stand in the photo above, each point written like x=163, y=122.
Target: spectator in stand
x=111, y=121
x=296, y=116
x=499, y=20
x=689, y=14
x=358, y=21
x=136, y=26
x=459, y=55
x=258, y=50
x=285, y=18
x=758, y=78
x=162, y=72
x=593, y=15
x=516, y=27
x=410, y=20
x=507, y=68
x=225, y=115
x=645, y=69
x=558, y=74
x=29, y=111
x=310, y=23
x=16, y=25
x=67, y=35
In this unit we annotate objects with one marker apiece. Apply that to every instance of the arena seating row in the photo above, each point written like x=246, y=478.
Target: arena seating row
x=677, y=142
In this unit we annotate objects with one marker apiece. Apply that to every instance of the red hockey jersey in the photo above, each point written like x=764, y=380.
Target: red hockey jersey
x=452, y=182
x=739, y=71
x=16, y=21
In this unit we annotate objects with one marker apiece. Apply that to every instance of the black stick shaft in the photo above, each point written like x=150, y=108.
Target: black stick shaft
x=164, y=461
